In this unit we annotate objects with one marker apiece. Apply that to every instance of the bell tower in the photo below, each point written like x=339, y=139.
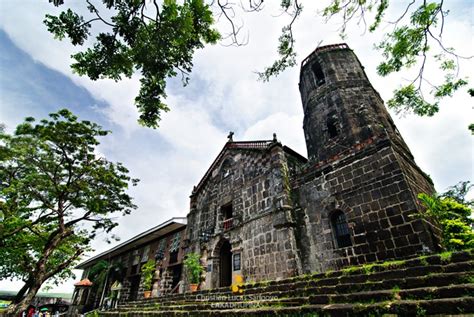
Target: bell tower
x=358, y=194
x=341, y=108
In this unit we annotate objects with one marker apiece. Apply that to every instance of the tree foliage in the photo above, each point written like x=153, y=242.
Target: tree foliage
x=159, y=41
x=453, y=213
x=56, y=195
x=157, y=44
x=410, y=40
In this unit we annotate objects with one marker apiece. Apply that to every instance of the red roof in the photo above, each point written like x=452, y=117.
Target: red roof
x=84, y=282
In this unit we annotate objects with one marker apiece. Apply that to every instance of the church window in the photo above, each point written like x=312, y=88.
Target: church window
x=341, y=229
x=173, y=257
x=136, y=257
x=160, y=252
x=236, y=261
x=228, y=216
x=226, y=168
x=227, y=211
x=174, y=246
x=332, y=127
x=318, y=73
x=146, y=251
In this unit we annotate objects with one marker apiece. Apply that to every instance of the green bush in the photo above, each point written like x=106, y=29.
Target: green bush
x=148, y=270
x=454, y=219
x=194, y=268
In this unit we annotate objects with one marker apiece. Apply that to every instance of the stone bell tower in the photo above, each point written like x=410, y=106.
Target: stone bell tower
x=341, y=108
x=357, y=196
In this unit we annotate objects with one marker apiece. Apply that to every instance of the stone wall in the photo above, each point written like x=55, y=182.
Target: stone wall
x=253, y=182
x=269, y=248
x=379, y=203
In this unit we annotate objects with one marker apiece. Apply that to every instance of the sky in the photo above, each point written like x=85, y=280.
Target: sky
x=223, y=95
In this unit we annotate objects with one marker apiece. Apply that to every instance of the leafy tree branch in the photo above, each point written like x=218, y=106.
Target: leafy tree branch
x=413, y=38
x=158, y=41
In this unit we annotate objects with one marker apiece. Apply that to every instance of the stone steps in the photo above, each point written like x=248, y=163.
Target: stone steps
x=458, y=273
x=412, y=287
x=452, y=291
x=457, y=306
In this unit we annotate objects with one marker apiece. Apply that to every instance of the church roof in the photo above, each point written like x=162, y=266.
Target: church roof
x=244, y=145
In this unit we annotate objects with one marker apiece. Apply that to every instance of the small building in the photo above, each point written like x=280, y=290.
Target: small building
x=43, y=301
x=114, y=276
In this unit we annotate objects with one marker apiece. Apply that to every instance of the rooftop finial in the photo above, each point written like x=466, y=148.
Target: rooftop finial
x=274, y=137
x=230, y=137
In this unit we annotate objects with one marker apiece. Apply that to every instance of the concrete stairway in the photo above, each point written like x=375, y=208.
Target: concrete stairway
x=430, y=285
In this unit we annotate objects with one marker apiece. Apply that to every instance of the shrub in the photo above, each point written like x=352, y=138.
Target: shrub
x=194, y=268
x=148, y=270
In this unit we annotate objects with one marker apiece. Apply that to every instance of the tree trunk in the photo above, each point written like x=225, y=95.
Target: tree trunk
x=22, y=291
x=25, y=302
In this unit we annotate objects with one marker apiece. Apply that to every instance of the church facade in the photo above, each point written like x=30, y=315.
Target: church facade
x=263, y=212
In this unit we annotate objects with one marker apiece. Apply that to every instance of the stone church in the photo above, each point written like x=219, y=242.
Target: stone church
x=262, y=211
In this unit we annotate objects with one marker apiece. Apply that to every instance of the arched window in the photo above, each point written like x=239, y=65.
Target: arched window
x=331, y=124
x=318, y=73
x=341, y=229
x=226, y=168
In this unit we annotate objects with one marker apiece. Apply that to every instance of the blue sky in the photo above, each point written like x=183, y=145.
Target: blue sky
x=37, y=90
x=35, y=79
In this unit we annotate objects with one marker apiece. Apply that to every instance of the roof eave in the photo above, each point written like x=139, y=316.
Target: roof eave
x=179, y=222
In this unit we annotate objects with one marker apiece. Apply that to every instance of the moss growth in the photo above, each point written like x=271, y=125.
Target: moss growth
x=423, y=260
x=368, y=268
x=350, y=270
x=392, y=264
x=396, y=292
x=445, y=256
x=420, y=311
x=372, y=267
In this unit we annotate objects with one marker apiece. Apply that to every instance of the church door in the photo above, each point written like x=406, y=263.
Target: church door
x=225, y=266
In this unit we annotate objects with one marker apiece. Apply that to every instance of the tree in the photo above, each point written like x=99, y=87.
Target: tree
x=159, y=40
x=56, y=195
x=459, y=192
x=453, y=216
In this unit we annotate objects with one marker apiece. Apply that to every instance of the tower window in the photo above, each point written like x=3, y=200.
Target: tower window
x=318, y=73
x=226, y=168
x=228, y=217
x=341, y=229
x=227, y=211
x=331, y=126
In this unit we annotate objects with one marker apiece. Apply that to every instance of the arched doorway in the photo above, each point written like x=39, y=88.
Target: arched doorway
x=225, y=264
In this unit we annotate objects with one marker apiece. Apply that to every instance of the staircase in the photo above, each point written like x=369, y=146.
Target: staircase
x=429, y=285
